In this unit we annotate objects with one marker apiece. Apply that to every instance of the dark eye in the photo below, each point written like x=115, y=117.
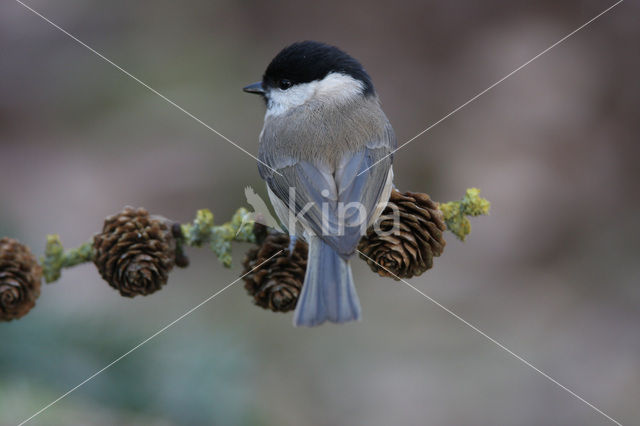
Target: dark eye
x=284, y=84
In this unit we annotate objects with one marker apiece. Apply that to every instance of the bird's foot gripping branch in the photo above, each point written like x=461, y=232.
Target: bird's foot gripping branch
x=135, y=252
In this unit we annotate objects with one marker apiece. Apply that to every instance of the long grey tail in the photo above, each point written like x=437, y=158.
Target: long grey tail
x=328, y=292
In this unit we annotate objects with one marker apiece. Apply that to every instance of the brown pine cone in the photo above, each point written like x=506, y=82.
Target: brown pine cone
x=276, y=284
x=408, y=250
x=135, y=252
x=20, y=278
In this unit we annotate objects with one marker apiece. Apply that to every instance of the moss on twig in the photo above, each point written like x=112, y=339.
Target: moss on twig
x=219, y=237
x=457, y=213
x=55, y=257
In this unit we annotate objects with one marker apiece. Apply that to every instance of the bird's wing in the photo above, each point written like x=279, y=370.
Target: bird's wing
x=327, y=200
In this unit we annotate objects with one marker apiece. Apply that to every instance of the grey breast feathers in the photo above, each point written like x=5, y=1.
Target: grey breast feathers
x=318, y=131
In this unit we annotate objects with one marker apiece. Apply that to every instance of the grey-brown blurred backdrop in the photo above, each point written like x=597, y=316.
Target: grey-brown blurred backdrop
x=552, y=273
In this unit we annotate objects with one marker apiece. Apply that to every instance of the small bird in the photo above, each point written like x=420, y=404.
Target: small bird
x=325, y=154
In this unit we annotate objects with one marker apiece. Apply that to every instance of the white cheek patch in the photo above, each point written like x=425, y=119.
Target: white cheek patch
x=335, y=87
x=339, y=87
x=280, y=101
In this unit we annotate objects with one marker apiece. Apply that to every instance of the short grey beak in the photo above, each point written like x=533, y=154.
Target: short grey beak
x=254, y=88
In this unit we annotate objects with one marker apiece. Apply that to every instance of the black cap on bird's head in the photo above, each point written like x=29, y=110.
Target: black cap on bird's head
x=308, y=61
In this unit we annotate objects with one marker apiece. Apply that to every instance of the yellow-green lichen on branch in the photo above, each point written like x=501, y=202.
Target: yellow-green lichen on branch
x=219, y=237
x=55, y=257
x=457, y=213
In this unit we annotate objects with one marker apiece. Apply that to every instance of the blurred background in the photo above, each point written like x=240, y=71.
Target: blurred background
x=552, y=273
